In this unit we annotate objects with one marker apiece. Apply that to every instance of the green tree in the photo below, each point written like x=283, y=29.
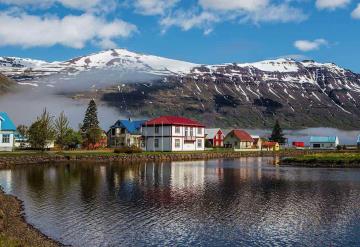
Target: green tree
x=23, y=130
x=90, y=129
x=61, y=128
x=41, y=132
x=277, y=134
x=72, y=138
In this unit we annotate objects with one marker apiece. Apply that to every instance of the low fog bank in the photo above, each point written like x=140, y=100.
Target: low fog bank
x=24, y=107
x=347, y=137
x=29, y=101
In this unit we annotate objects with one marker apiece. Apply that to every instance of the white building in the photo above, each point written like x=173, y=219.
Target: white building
x=324, y=142
x=169, y=133
x=7, y=132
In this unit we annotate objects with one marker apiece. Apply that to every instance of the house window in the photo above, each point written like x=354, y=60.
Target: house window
x=122, y=131
x=113, y=131
x=199, y=131
x=157, y=130
x=156, y=143
x=186, y=131
x=6, y=138
x=177, y=143
x=199, y=143
x=177, y=130
x=191, y=131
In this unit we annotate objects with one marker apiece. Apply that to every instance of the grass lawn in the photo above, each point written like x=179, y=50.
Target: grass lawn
x=102, y=152
x=326, y=157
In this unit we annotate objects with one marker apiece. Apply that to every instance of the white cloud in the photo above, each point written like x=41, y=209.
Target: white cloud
x=188, y=20
x=277, y=13
x=331, y=4
x=154, y=7
x=356, y=13
x=230, y=5
x=255, y=11
x=307, y=45
x=26, y=30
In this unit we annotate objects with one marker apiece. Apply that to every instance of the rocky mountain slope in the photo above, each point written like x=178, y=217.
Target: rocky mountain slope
x=299, y=94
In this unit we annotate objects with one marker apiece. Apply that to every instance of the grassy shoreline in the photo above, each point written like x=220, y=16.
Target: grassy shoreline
x=330, y=159
x=14, y=230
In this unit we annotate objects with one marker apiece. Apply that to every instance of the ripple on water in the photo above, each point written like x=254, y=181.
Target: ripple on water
x=246, y=202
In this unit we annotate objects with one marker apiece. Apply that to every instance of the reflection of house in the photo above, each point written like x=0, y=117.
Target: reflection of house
x=187, y=175
x=125, y=133
x=271, y=146
x=170, y=133
x=7, y=132
x=257, y=142
x=238, y=139
x=324, y=142
x=215, y=137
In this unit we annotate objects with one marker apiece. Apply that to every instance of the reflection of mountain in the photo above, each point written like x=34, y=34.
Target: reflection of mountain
x=224, y=202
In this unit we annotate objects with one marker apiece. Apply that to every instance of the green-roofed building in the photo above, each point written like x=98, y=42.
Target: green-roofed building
x=324, y=142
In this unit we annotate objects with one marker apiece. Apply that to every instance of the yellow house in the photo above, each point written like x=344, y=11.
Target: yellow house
x=270, y=146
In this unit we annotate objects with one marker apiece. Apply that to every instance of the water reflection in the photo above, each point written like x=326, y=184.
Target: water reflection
x=247, y=202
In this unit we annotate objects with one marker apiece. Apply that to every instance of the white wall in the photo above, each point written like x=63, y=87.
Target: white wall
x=328, y=145
x=7, y=146
x=167, y=137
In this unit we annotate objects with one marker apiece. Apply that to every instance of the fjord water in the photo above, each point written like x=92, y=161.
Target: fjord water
x=243, y=202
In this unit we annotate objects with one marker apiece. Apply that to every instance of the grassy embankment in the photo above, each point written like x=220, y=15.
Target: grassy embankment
x=330, y=159
x=14, y=231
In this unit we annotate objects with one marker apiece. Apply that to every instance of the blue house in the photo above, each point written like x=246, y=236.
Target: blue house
x=7, y=131
x=324, y=142
x=125, y=133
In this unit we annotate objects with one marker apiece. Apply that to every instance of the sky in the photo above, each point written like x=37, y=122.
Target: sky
x=200, y=31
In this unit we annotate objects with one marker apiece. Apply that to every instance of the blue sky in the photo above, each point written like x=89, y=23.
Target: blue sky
x=201, y=31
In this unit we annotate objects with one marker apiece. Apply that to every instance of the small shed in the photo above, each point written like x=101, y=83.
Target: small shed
x=324, y=142
x=298, y=145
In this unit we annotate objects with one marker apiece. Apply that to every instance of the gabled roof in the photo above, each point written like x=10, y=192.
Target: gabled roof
x=6, y=122
x=211, y=133
x=173, y=120
x=133, y=127
x=323, y=139
x=242, y=135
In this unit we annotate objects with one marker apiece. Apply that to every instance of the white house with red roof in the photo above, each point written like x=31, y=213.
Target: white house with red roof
x=171, y=133
x=239, y=140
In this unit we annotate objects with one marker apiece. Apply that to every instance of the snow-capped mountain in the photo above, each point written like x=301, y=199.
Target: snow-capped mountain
x=116, y=59
x=300, y=94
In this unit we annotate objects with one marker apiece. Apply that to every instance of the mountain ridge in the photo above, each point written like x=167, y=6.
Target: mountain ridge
x=299, y=93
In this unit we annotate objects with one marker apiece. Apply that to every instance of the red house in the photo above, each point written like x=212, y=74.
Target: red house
x=298, y=144
x=215, y=137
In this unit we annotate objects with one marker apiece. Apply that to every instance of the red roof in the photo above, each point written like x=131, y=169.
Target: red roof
x=173, y=120
x=242, y=135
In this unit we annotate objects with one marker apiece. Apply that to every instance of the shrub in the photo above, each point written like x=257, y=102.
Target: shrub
x=128, y=150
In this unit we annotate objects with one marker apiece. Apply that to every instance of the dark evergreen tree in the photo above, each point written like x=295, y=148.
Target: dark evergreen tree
x=277, y=134
x=90, y=120
x=90, y=129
